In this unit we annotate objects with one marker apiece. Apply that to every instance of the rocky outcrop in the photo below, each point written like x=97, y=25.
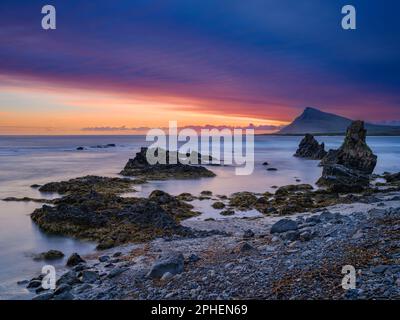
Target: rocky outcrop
x=112, y=220
x=90, y=183
x=140, y=167
x=309, y=148
x=348, y=169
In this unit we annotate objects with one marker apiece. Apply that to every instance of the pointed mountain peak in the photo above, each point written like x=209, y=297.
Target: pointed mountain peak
x=315, y=121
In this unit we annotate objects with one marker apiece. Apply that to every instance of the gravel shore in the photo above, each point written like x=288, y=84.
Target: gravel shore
x=302, y=260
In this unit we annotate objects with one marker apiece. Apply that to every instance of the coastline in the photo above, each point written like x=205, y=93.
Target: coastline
x=256, y=264
x=207, y=253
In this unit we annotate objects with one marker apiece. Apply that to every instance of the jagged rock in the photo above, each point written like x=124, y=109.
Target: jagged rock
x=170, y=169
x=310, y=148
x=354, y=152
x=348, y=168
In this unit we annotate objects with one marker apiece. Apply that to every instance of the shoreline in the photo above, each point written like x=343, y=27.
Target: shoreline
x=170, y=233
x=236, y=266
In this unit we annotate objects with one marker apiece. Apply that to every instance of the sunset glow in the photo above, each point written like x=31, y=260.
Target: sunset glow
x=143, y=66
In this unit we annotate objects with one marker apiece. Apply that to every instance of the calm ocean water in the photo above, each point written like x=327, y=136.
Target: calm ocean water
x=28, y=160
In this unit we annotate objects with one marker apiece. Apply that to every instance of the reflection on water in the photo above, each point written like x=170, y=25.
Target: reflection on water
x=28, y=160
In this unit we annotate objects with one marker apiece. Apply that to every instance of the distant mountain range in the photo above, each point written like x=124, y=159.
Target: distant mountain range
x=316, y=122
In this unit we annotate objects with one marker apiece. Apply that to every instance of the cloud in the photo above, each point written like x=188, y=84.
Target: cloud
x=193, y=127
x=256, y=59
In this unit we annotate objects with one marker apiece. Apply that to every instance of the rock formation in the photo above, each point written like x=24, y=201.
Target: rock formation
x=348, y=168
x=310, y=148
x=140, y=167
x=113, y=220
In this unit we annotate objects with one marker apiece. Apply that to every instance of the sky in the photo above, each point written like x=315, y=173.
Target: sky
x=117, y=66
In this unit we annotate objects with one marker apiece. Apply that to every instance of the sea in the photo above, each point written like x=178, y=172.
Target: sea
x=28, y=160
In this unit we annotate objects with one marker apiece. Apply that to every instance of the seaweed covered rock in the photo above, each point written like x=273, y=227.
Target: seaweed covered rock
x=310, y=148
x=243, y=200
x=173, y=205
x=90, y=183
x=293, y=188
x=171, y=168
x=112, y=220
x=348, y=169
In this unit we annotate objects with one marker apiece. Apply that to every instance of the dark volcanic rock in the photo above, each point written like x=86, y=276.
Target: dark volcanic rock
x=348, y=168
x=339, y=178
x=310, y=148
x=140, y=167
x=354, y=152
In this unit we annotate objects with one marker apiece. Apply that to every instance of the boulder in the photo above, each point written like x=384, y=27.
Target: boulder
x=348, y=169
x=394, y=177
x=284, y=225
x=172, y=262
x=89, y=276
x=74, y=260
x=309, y=148
x=49, y=255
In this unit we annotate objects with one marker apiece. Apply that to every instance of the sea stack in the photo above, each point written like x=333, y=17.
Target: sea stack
x=309, y=148
x=141, y=168
x=347, y=169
